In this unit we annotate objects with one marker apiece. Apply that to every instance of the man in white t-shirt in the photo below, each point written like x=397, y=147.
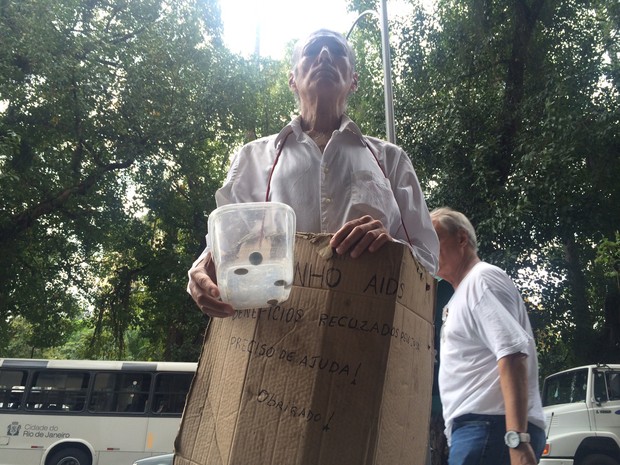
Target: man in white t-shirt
x=488, y=369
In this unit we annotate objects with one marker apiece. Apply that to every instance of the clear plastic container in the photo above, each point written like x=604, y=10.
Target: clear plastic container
x=253, y=250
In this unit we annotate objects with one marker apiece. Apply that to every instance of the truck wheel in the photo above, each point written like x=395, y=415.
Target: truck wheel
x=598, y=459
x=69, y=456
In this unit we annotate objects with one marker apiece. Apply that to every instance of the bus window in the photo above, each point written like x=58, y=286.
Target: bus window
x=39, y=397
x=120, y=392
x=170, y=392
x=12, y=384
x=63, y=391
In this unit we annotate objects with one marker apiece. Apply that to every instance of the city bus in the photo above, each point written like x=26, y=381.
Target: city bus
x=82, y=412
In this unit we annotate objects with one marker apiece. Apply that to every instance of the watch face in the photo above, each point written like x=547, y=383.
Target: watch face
x=512, y=439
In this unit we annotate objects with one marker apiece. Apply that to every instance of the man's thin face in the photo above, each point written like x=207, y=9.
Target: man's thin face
x=324, y=67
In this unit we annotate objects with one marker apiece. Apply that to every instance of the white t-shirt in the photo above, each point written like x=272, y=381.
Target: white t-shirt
x=484, y=321
x=342, y=183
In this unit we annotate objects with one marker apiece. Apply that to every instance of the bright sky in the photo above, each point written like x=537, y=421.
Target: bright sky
x=280, y=21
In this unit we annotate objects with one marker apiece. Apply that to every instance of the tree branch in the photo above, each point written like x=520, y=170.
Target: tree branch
x=25, y=220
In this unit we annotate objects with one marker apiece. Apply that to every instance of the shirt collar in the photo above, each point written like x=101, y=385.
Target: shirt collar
x=346, y=124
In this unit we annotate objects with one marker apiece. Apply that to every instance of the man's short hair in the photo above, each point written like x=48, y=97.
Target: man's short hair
x=298, y=49
x=453, y=221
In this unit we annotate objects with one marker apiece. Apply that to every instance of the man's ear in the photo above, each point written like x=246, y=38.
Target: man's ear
x=463, y=237
x=291, y=82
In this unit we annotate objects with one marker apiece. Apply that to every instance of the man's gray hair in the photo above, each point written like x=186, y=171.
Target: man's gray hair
x=453, y=221
x=298, y=49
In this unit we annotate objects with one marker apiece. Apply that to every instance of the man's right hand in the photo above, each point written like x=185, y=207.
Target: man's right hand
x=203, y=289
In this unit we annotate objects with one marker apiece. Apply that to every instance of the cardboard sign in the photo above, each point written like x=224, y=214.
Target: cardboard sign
x=339, y=374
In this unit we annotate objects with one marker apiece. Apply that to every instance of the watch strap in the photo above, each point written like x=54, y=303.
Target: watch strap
x=524, y=437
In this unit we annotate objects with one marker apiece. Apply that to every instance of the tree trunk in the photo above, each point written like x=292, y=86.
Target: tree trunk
x=583, y=334
x=611, y=342
x=525, y=20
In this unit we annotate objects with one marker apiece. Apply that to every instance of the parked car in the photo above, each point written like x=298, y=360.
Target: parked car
x=165, y=459
x=582, y=409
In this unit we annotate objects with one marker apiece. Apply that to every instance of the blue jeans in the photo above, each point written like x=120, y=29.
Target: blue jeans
x=479, y=440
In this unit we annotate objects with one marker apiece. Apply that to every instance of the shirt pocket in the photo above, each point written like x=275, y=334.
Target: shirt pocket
x=371, y=194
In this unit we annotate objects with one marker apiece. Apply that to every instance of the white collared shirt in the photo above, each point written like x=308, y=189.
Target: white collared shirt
x=343, y=183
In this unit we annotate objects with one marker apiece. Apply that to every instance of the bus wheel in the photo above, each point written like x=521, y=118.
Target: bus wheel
x=69, y=456
x=598, y=459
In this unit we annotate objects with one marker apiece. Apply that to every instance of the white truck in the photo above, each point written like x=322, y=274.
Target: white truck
x=582, y=409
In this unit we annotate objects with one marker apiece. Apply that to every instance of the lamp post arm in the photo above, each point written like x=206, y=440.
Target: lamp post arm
x=361, y=15
x=387, y=68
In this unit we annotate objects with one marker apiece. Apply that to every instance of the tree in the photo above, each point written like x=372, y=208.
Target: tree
x=508, y=108
x=116, y=129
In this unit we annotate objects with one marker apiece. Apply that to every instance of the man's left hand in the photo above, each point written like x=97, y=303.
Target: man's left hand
x=358, y=235
x=523, y=455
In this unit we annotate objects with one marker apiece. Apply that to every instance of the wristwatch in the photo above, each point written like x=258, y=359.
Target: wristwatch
x=513, y=438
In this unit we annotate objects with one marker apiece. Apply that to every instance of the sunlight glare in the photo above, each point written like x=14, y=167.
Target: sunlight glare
x=278, y=22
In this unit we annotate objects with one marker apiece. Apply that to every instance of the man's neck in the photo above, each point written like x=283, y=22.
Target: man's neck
x=468, y=263
x=323, y=119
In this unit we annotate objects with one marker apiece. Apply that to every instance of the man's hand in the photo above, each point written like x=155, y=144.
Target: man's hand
x=203, y=289
x=513, y=381
x=523, y=455
x=358, y=235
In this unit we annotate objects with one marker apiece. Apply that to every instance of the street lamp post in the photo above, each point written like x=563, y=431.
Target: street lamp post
x=388, y=96
x=387, y=68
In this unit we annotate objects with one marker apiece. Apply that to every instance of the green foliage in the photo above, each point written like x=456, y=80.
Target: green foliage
x=118, y=124
x=608, y=257
x=366, y=106
x=510, y=111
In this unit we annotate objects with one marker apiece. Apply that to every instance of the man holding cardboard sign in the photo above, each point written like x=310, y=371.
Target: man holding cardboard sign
x=361, y=189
